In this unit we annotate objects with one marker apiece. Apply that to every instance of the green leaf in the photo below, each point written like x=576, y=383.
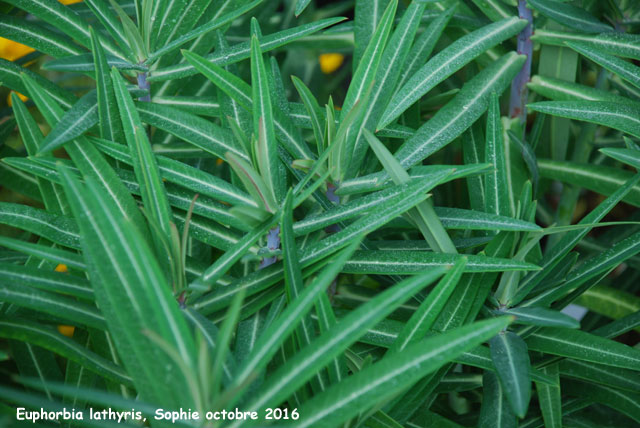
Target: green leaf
x=184, y=175
x=254, y=183
x=49, y=338
x=75, y=121
x=584, y=346
x=63, y=19
x=458, y=114
x=37, y=37
x=497, y=193
x=59, y=229
x=615, y=43
x=622, y=401
x=561, y=90
x=12, y=78
x=627, y=156
x=368, y=65
x=45, y=252
x=134, y=296
x=495, y=411
x=557, y=253
x=600, y=179
x=550, y=398
x=599, y=373
x=279, y=330
x=623, y=117
x=384, y=81
x=85, y=63
x=424, y=45
x=145, y=165
x=200, y=31
x=456, y=218
x=226, y=261
x=50, y=303
x=88, y=160
x=510, y=356
x=241, y=92
x=313, y=109
x=110, y=123
x=542, y=317
x=570, y=16
x=109, y=20
x=447, y=62
x=56, y=282
x=301, y=5
x=411, y=262
x=242, y=50
x=394, y=373
x=131, y=33
x=423, y=318
x=266, y=150
x=349, y=209
x=622, y=68
x=306, y=362
x=424, y=216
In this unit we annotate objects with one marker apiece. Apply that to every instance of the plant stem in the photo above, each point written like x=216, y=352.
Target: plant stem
x=519, y=90
x=273, y=243
x=144, y=84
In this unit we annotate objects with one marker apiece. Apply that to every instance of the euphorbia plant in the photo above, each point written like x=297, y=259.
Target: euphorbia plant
x=199, y=217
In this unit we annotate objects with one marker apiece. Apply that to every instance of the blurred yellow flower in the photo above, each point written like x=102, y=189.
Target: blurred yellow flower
x=330, y=62
x=69, y=1
x=22, y=97
x=11, y=50
x=61, y=268
x=66, y=330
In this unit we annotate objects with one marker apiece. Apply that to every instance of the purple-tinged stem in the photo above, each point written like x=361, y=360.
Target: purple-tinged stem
x=273, y=243
x=519, y=90
x=143, y=83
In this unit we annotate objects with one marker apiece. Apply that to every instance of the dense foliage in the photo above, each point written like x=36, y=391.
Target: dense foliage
x=370, y=221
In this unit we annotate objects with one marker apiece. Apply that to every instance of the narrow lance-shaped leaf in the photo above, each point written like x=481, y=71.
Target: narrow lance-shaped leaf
x=622, y=68
x=624, y=117
x=424, y=45
x=424, y=215
x=570, y=16
x=63, y=19
x=384, y=81
x=49, y=338
x=242, y=50
x=458, y=114
x=550, y=398
x=496, y=183
x=510, y=356
x=75, y=121
x=110, y=22
x=584, y=346
x=241, y=92
x=496, y=411
x=309, y=360
x=133, y=295
x=144, y=163
x=424, y=317
x=110, y=123
x=37, y=37
x=63, y=307
x=87, y=158
x=267, y=147
x=411, y=262
x=447, y=62
x=392, y=374
x=278, y=331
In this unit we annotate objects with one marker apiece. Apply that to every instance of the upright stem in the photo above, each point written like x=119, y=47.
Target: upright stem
x=519, y=90
x=273, y=243
x=144, y=84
